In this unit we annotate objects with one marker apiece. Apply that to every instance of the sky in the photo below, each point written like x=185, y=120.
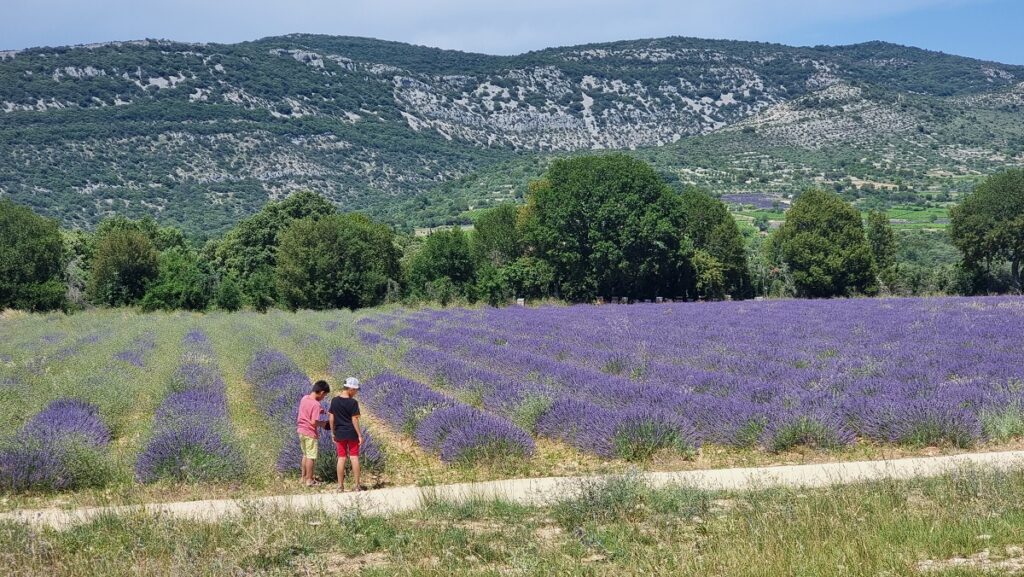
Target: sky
x=986, y=29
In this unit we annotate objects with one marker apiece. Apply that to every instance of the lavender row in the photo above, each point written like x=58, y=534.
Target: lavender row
x=441, y=425
x=61, y=447
x=192, y=439
x=632, y=433
x=795, y=343
x=694, y=417
x=39, y=364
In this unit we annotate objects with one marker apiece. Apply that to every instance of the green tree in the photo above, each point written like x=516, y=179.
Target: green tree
x=496, y=238
x=259, y=290
x=882, y=240
x=492, y=287
x=711, y=228
x=229, y=294
x=529, y=277
x=249, y=250
x=709, y=275
x=339, y=261
x=443, y=267
x=180, y=283
x=988, y=226
x=823, y=244
x=608, y=225
x=31, y=260
x=162, y=237
x=123, y=264
x=77, y=251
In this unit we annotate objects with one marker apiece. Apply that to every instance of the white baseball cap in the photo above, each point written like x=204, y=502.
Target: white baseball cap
x=352, y=383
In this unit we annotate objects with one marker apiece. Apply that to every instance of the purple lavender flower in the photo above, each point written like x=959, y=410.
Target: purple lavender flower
x=441, y=424
x=401, y=402
x=580, y=424
x=777, y=373
x=485, y=438
x=339, y=361
x=191, y=376
x=136, y=352
x=61, y=447
x=788, y=428
x=640, y=432
x=195, y=452
x=53, y=338
x=371, y=339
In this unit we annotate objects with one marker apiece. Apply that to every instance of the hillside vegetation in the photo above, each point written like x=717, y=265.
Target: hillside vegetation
x=200, y=135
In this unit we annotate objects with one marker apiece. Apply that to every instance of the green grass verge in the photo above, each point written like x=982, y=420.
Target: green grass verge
x=611, y=527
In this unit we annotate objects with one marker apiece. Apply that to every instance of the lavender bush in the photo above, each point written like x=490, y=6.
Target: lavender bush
x=442, y=425
x=61, y=447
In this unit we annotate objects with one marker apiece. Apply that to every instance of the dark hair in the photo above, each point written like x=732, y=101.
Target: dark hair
x=321, y=387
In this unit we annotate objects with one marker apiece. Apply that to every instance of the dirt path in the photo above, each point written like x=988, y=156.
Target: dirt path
x=538, y=491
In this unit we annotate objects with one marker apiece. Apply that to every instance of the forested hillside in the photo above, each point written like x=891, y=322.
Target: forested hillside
x=200, y=135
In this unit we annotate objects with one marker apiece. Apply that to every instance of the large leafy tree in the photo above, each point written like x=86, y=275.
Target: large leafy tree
x=988, y=226
x=31, y=260
x=338, y=261
x=496, y=238
x=249, y=251
x=711, y=228
x=823, y=244
x=180, y=283
x=124, y=262
x=882, y=240
x=443, y=267
x=228, y=295
x=608, y=225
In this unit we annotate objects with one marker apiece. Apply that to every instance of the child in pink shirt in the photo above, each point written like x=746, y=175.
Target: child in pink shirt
x=308, y=425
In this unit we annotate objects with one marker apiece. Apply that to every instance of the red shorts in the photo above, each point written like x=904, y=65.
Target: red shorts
x=347, y=448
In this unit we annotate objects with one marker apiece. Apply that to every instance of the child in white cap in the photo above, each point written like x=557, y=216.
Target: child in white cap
x=348, y=436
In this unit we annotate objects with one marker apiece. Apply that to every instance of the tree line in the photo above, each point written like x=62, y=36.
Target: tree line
x=593, y=226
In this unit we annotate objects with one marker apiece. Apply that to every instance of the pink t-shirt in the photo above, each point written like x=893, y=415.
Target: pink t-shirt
x=309, y=414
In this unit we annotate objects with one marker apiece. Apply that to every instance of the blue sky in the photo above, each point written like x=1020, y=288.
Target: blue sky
x=985, y=29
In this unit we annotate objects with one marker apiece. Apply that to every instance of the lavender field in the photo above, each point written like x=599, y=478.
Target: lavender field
x=627, y=381
x=154, y=403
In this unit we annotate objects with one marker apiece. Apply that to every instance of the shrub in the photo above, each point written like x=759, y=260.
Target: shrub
x=62, y=447
x=189, y=452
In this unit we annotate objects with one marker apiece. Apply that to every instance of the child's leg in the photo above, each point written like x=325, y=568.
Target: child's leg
x=309, y=454
x=341, y=472
x=355, y=471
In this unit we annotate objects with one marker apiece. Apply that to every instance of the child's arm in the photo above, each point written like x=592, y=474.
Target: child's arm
x=330, y=421
x=355, y=424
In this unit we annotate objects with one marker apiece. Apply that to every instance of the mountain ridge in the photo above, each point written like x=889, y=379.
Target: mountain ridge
x=200, y=134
